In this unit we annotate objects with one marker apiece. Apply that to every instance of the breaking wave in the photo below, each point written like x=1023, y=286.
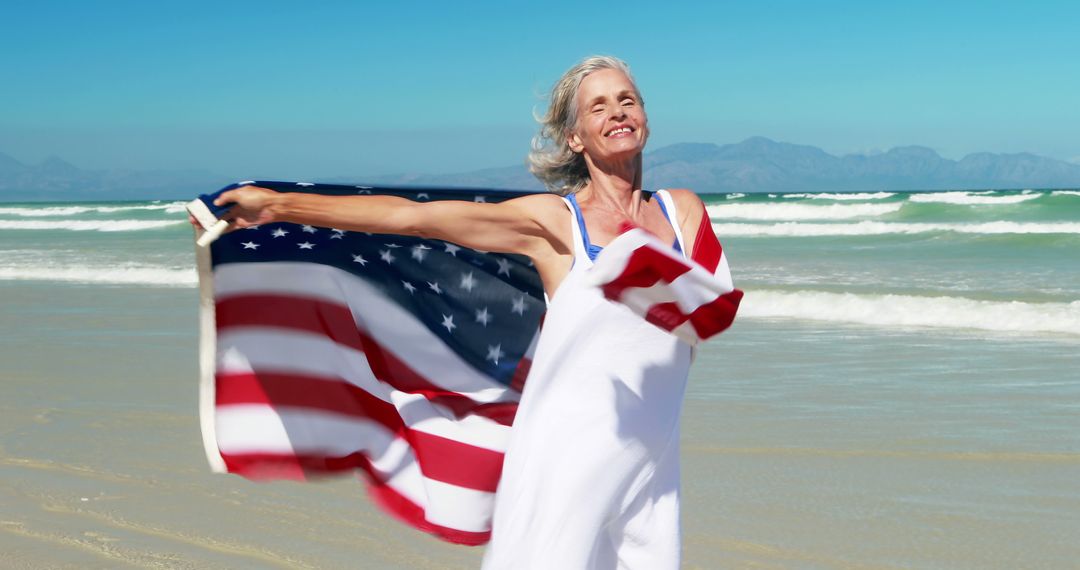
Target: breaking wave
x=799, y=211
x=915, y=311
x=844, y=195
x=89, y=225
x=131, y=275
x=866, y=228
x=972, y=198
x=49, y=211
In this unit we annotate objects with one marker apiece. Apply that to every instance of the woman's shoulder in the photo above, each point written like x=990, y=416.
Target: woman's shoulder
x=687, y=202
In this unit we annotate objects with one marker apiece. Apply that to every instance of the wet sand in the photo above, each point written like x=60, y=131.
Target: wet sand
x=101, y=464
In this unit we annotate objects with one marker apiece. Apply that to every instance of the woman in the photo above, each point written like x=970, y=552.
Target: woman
x=591, y=476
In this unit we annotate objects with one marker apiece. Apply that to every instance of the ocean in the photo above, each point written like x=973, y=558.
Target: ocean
x=901, y=389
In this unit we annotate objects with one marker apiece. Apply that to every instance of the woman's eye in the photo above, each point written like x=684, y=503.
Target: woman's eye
x=627, y=102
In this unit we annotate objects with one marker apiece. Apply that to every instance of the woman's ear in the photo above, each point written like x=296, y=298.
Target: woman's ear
x=575, y=144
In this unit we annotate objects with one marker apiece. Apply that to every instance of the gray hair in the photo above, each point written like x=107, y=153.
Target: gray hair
x=562, y=170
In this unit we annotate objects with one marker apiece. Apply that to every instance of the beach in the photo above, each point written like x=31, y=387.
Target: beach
x=899, y=391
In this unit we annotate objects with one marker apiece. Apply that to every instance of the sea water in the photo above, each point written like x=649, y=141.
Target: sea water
x=901, y=390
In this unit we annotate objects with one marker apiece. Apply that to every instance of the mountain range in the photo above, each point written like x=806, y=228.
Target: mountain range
x=756, y=164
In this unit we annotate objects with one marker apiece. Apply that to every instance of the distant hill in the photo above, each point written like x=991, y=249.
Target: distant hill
x=756, y=164
x=761, y=165
x=57, y=179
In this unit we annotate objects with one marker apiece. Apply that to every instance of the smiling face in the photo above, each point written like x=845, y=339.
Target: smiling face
x=611, y=122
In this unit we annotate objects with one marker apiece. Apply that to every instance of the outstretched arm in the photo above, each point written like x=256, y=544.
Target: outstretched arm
x=522, y=225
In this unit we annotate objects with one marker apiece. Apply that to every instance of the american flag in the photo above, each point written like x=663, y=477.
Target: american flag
x=328, y=351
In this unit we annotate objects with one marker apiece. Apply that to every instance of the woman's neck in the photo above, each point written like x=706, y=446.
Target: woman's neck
x=616, y=186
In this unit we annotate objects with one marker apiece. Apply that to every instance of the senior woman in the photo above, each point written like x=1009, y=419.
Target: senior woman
x=591, y=477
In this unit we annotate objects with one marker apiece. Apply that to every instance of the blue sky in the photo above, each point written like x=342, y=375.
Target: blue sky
x=276, y=89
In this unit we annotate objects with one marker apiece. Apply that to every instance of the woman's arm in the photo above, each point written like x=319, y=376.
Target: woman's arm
x=528, y=225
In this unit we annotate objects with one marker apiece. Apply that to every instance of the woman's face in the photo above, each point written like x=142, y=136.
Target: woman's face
x=611, y=123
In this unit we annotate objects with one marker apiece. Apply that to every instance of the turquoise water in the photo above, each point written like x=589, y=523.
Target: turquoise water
x=901, y=389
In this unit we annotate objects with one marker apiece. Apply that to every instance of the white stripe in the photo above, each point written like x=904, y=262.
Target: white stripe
x=421, y=415
x=262, y=350
x=256, y=428
x=244, y=349
x=394, y=328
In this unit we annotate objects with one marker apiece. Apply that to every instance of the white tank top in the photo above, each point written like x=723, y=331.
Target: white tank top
x=596, y=431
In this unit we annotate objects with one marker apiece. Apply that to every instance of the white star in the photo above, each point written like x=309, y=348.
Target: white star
x=252, y=228
x=363, y=191
x=359, y=259
x=422, y=196
x=483, y=317
x=306, y=245
x=495, y=353
x=304, y=184
x=479, y=200
x=518, y=306
x=419, y=251
x=250, y=245
x=467, y=281
x=338, y=234
x=392, y=245
x=448, y=322
x=452, y=249
x=280, y=232
x=408, y=287
x=245, y=183
x=434, y=286
x=504, y=266
x=385, y=255
x=309, y=229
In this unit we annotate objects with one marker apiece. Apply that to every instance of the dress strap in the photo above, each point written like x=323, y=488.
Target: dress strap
x=667, y=205
x=577, y=227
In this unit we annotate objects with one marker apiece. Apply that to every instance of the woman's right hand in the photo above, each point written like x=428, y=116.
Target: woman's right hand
x=251, y=206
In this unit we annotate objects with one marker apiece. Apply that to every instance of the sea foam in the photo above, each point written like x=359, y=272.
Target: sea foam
x=131, y=275
x=52, y=211
x=88, y=225
x=914, y=311
x=844, y=195
x=866, y=228
x=799, y=211
x=972, y=198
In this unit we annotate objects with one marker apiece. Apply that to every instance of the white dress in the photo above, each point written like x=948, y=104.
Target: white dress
x=591, y=477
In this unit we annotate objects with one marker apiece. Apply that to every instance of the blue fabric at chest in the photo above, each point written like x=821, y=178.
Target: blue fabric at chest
x=594, y=250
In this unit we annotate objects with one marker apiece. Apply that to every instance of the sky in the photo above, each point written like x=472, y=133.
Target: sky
x=299, y=90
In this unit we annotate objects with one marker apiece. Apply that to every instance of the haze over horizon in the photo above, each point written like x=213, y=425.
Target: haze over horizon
x=342, y=89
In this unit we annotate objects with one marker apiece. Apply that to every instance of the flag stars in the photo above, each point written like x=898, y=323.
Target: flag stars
x=392, y=245
x=479, y=199
x=386, y=256
x=468, y=281
x=250, y=245
x=308, y=229
x=422, y=196
x=419, y=251
x=448, y=322
x=280, y=232
x=306, y=245
x=504, y=266
x=338, y=234
x=483, y=316
x=518, y=306
x=434, y=286
x=452, y=249
x=494, y=353
x=408, y=287
x=359, y=259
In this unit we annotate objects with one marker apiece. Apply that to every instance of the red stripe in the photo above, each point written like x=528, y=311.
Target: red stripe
x=336, y=322
x=645, y=268
x=441, y=459
x=707, y=249
x=412, y=514
x=716, y=315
